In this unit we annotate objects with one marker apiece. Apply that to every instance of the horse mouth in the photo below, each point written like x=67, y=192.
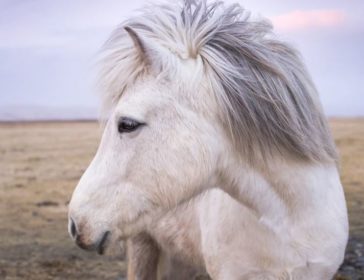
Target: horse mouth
x=103, y=243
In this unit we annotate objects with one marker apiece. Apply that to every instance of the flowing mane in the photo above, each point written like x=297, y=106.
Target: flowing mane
x=267, y=97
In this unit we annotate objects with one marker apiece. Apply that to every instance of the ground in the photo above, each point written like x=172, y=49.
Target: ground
x=40, y=164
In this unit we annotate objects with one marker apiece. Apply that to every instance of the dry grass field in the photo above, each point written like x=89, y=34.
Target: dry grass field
x=40, y=164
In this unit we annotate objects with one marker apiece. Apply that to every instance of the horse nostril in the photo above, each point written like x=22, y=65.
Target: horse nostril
x=73, y=230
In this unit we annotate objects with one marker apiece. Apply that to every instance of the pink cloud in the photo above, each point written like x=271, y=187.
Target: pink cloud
x=297, y=20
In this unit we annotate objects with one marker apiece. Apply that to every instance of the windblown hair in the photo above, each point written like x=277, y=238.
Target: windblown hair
x=265, y=93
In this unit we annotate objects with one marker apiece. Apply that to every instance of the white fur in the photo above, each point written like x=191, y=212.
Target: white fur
x=290, y=234
x=288, y=219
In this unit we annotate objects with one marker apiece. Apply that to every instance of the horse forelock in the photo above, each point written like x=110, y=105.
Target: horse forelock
x=269, y=103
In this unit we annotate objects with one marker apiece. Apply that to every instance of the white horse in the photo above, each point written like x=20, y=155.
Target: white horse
x=200, y=96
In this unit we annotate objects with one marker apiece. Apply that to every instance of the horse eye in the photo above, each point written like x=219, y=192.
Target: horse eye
x=126, y=125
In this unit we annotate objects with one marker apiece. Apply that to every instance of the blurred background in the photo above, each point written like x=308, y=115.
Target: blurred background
x=48, y=111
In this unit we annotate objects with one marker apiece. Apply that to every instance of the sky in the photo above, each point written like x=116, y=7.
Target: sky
x=48, y=49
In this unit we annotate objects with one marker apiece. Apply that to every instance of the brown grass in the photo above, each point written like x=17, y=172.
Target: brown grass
x=349, y=138
x=40, y=164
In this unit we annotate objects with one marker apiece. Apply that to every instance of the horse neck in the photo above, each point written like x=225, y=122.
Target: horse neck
x=287, y=191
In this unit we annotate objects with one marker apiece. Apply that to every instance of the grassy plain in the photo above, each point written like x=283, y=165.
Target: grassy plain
x=40, y=164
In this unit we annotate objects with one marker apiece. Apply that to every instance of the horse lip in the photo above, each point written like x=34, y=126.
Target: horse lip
x=101, y=246
x=84, y=246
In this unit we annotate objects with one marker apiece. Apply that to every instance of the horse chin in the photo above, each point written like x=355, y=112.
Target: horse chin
x=103, y=243
x=109, y=245
x=133, y=227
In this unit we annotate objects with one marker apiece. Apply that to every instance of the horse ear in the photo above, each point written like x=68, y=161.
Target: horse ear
x=139, y=43
x=148, y=52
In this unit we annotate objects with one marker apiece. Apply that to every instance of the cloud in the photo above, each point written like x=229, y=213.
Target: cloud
x=298, y=20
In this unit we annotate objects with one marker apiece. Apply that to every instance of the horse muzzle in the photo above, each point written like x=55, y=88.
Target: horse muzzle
x=84, y=241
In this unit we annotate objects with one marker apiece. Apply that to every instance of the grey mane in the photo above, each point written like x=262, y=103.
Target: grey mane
x=269, y=100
